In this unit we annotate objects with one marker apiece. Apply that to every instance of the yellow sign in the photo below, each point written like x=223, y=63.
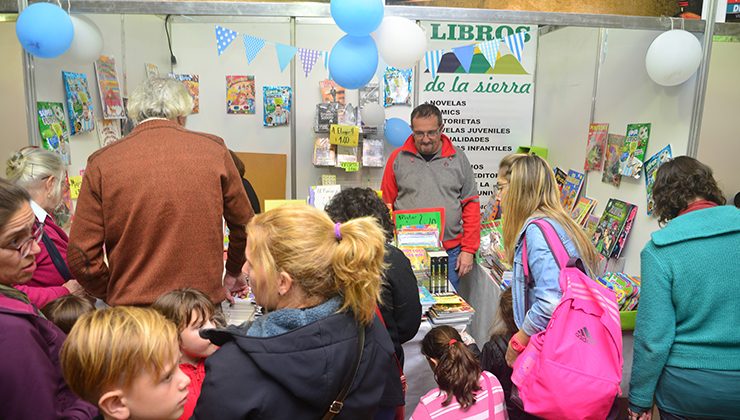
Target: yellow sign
x=75, y=183
x=344, y=135
x=351, y=166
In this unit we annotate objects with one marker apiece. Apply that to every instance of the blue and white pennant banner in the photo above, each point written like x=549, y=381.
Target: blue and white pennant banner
x=489, y=49
x=516, y=44
x=432, y=59
x=252, y=46
x=224, y=38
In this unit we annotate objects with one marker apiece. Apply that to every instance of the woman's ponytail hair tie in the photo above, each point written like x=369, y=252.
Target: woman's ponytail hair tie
x=452, y=341
x=337, y=233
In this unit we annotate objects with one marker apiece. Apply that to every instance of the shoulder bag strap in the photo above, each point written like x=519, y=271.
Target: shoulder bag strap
x=349, y=378
x=382, y=321
x=56, y=257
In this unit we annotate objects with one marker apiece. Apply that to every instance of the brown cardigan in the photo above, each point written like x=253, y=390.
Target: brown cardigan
x=155, y=200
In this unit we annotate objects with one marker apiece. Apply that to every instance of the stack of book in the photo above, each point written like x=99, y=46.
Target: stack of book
x=426, y=299
x=626, y=287
x=450, y=309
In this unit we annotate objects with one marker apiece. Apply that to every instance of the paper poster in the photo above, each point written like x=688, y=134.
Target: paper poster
x=151, y=70
x=110, y=92
x=79, y=102
x=109, y=131
x=53, y=129
x=192, y=83
x=75, y=183
x=277, y=104
x=614, y=145
x=651, y=168
x=344, y=135
x=397, y=86
x=633, y=151
x=331, y=92
x=595, y=147
x=240, y=95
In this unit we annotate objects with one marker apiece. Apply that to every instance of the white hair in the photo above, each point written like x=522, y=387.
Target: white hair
x=31, y=166
x=159, y=97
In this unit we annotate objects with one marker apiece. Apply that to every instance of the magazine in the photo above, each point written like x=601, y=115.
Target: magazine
x=397, y=86
x=614, y=145
x=651, y=168
x=110, y=91
x=611, y=225
x=53, y=129
x=240, y=95
x=79, y=102
x=571, y=189
x=633, y=151
x=277, y=105
x=622, y=239
x=192, y=83
x=595, y=147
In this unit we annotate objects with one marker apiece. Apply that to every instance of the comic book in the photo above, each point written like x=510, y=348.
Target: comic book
x=595, y=147
x=571, y=189
x=277, y=105
x=109, y=131
x=192, y=83
x=79, y=103
x=331, y=92
x=622, y=239
x=240, y=95
x=589, y=225
x=110, y=91
x=53, y=129
x=582, y=209
x=560, y=176
x=397, y=86
x=610, y=226
x=651, y=168
x=633, y=151
x=614, y=145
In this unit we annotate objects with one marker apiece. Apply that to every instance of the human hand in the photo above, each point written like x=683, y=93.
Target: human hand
x=235, y=285
x=645, y=415
x=511, y=354
x=74, y=287
x=464, y=263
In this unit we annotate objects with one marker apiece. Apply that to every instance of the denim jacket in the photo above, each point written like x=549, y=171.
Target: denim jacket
x=543, y=292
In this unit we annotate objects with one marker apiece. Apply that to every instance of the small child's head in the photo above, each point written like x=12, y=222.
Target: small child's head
x=455, y=368
x=125, y=360
x=65, y=310
x=191, y=310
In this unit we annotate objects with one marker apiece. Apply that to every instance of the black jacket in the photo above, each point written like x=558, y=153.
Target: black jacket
x=295, y=375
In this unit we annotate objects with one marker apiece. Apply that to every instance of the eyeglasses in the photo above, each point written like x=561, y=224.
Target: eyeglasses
x=500, y=187
x=419, y=135
x=25, y=246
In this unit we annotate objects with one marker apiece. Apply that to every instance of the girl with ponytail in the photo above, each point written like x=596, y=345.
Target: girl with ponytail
x=319, y=282
x=464, y=389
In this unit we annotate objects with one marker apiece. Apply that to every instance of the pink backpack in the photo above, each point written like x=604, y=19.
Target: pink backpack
x=573, y=368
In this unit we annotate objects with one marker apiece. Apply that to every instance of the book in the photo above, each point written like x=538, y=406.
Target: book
x=324, y=153
x=417, y=257
x=372, y=153
x=611, y=225
x=109, y=131
x=398, y=86
x=79, y=103
x=571, y=189
x=240, y=95
x=622, y=238
x=277, y=105
x=320, y=195
x=582, y=209
x=560, y=176
x=633, y=151
x=326, y=115
x=425, y=298
x=110, y=91
x=651, y=169
x=596, y=146
x=192, y=84
x=53, y=129
x=589, y=225
x=347, y=154
x=331, y=92
x=614, y=145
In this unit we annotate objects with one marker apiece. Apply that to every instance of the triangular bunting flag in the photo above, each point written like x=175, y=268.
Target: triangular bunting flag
x=325, y=55
x=432, y=59
x=464, y=55
x=224, y=38
x=516, y=44
x=490, y=50
x=285, y=54
x=253, y=46
x=308, y=58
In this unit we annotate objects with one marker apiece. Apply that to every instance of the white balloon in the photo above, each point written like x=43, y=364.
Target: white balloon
x=673, y=57
x=401, y=42
x=87, y=44
x=373, y=115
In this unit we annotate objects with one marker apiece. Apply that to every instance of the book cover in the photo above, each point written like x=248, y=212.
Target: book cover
x=109, y=131
x=596, y=146
x=582, y=209
x=331, y=92
x=624, y=234
x=53, y=129
x=324, y=153
x=277, y=105
x=417, y=257
x=633, y=151
x=110, y=91
x=372, y=153
x=560, y=176
x=614, y=145
x=397, y=86
x=192, y=84
x=651, y=168
x=320, y=195
x=611, y=225
x=240, y=95
x=589, y=225
x=571, y=189
x=79, y=102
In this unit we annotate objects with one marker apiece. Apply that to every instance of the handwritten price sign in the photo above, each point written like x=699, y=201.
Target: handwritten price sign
x=350, y=166
x=344, y=135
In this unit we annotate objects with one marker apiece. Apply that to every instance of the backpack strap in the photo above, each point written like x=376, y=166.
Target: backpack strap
x=56, y=257
x=562, y=258
x=336, y=406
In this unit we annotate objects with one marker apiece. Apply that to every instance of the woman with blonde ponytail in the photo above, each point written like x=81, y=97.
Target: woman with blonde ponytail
x=319, y=282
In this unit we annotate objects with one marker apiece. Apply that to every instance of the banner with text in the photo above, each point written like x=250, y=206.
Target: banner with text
x=488, y=108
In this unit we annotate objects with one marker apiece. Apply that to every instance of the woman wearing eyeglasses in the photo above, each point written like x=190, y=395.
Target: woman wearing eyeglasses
x=32, y=386
x=41, y=173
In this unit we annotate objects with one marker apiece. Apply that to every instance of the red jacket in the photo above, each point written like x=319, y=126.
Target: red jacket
x=196, y=374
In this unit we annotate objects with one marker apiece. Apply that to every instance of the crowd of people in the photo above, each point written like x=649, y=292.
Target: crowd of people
x=123, y=320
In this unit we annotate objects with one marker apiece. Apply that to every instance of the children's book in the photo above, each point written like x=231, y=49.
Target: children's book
x=79, y=102
x=372, y=153
x=571, y=189
x=53, y=129
x=614, y=145
x=397, y=86
x=331, y=92
x=590, y=224
x=611, y=225
x=595, y=147
x=109, y=131
x=633, y=151
x=416, y=255
x=110, y=91
x=651, y=168
x=320, y=195
x=582, y=209
x=622, y=239
x=277, y=105
x=560, y=176
x=192, y=84
x=240, y=95
x=324, y=153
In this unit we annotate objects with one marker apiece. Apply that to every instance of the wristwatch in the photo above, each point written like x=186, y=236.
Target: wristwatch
x=516, y=345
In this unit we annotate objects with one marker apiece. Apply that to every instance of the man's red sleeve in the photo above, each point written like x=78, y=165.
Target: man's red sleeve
x=388, y=185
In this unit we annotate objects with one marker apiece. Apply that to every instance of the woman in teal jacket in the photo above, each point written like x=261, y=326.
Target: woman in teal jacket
x=687, y=340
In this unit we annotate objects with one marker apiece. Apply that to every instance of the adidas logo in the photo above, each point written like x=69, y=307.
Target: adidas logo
x=584, y=335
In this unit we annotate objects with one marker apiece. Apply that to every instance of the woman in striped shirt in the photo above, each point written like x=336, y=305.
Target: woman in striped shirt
x=465, y=391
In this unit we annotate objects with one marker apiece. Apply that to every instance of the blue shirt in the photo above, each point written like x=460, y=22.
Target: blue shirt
x=543, y=293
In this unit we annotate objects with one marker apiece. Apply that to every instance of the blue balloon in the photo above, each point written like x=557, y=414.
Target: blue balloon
x=44, y=30
x=357, y=17
x=396, y=131
x=353, y=60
